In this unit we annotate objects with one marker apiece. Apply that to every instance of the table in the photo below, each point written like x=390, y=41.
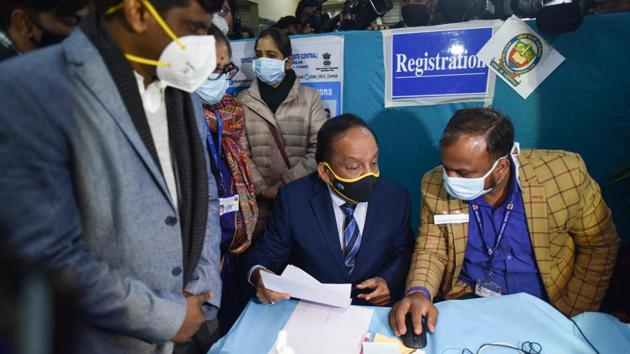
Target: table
x=462, y=324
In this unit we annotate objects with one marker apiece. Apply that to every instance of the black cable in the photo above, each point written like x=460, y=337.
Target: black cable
x=526, y=348
x=583, y=336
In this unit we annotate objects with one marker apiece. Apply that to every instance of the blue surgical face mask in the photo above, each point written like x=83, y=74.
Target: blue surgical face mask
x=468, y=188
x=213, y=89
x=269, y=71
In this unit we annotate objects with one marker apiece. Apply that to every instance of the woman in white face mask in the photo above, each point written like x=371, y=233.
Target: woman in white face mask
x=283, y=118
x=232, y=170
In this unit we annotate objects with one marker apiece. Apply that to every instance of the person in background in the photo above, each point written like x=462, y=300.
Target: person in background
x=282, y=118
x=534, y=222
x=609, y=6
x=246, y=32
x=289, y=25
x=232, y=170
x=26, y=25
x=341, y=224
x=416, y=13
x=309, y=14
x=223, y=19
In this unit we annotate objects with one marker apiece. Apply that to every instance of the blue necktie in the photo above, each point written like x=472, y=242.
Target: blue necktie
x=351, y=236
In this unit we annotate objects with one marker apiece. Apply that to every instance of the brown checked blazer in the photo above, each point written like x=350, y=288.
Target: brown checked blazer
x=574, y=239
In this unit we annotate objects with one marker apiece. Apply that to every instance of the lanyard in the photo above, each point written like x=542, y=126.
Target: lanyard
x=508, y=211
x=216, y=150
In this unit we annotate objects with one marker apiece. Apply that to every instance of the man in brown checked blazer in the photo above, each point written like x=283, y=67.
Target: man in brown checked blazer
x=495, y=220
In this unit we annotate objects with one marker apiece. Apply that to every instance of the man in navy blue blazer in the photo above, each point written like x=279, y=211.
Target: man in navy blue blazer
x=342, y=224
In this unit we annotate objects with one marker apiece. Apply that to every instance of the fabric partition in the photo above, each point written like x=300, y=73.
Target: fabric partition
x=584, y=106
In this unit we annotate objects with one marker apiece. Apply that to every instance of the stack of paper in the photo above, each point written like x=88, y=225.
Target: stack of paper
x=299, y=284
x=316, y=329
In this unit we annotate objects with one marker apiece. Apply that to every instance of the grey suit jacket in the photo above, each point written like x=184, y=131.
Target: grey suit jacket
x=81, y=194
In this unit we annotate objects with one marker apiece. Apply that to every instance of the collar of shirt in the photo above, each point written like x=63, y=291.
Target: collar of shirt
x=360, y=214
x=152, y=95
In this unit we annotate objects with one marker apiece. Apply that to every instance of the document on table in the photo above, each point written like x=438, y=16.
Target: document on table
x=299, y=284
x=316, y=329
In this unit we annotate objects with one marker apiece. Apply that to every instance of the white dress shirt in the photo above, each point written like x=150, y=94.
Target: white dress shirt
x=360, y=213
x=155, y=109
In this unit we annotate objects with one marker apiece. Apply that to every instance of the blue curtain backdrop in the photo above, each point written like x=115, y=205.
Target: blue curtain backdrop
x=583, y=106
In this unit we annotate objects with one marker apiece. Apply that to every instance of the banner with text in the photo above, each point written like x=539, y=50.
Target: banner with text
x=437, y=64
x=317, y=61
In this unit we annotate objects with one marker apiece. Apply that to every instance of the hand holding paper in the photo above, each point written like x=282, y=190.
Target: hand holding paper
x=263, y=294
x=298, y=284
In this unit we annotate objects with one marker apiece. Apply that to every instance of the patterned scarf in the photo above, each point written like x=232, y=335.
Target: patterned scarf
x=231, y=112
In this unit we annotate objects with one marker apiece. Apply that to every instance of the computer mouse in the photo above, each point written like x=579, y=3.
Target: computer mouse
x=410, y=338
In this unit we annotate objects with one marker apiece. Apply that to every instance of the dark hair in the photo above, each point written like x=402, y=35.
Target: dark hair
x=280, y=38
x=249, y=31
x=487, y=122
x=163, y=6
x=61, y=7
x=332, y=129
x=220, y=37
x=307, y=3
x=286, y=22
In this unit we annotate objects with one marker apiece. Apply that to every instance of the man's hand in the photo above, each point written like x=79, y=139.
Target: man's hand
x=379, y=296
x=263, y=294
x=607, y=6
x=419, y=305
x=377, y=27
x=195, y=317
x=272, y=191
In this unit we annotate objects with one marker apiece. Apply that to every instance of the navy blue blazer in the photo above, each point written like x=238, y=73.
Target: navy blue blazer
x=302, y=231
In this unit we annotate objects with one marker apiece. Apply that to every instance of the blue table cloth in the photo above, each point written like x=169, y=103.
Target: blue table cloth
x=511, y=319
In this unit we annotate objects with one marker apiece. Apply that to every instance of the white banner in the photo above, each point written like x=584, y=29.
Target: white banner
x=520, y=56
x=317, y=61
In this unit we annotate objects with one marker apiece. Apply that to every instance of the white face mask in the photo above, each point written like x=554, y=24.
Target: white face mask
x=221, y=23
x=468, y=188
x=188, y=67
x=213, y=89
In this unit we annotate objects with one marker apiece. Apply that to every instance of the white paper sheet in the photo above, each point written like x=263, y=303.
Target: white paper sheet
x=299, y=284
x=316, y=329
x=380, y=348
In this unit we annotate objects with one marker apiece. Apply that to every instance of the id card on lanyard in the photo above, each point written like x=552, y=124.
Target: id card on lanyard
x=228, y=202
x=487, y=288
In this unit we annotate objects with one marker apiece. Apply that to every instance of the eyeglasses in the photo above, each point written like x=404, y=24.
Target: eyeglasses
x=229, y=71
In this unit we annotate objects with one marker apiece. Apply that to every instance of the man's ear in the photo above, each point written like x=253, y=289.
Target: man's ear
x=503, y=168
x=136, y=15
x=322, y=172
x=21, y=23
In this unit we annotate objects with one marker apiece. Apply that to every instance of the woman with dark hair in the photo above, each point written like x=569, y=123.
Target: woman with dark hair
x=282, y=118
x=232, y=170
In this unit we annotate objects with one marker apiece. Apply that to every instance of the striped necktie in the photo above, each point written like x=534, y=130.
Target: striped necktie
x=351, y=236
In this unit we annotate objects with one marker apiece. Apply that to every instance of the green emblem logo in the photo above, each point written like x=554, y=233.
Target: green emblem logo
x=520, y=55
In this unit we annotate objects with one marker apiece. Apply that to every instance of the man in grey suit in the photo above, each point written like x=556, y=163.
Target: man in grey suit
x=105, y=173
